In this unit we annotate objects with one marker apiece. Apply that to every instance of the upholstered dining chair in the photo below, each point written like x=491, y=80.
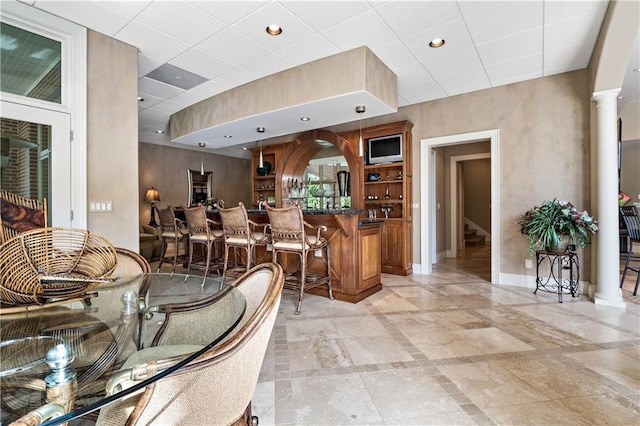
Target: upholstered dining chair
x=241, y=233
x=202, y=233
x=172, y=231
x=631, y=220
x=289, y=235
x=217, y=384
x=20, y=214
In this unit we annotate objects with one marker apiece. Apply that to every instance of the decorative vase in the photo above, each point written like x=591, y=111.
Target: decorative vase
x=563, y=245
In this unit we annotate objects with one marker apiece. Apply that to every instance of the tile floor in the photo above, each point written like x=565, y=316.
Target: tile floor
x=450, y=348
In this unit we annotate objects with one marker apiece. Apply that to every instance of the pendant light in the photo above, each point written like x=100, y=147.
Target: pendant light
x=360, y=109
x=202, y=145
x=261, y=159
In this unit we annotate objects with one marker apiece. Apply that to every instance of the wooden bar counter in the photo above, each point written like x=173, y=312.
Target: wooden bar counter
x=355, y=252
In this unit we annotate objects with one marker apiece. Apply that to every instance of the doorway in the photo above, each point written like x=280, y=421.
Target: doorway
x=429, y=211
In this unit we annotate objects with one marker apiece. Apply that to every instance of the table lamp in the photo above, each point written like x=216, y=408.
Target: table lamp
x=152, y=196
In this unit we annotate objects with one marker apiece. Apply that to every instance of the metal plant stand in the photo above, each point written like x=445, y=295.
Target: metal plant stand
x=563, y=273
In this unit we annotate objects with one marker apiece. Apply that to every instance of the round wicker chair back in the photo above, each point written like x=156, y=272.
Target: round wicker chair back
x=48, y=264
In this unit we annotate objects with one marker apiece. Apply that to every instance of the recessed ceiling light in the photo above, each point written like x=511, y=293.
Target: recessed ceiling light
x=244, y=148
x=305, y=118
x=621, y=97
x=436, y=42
x=228, y=136
x=159, y=132
x=140, y=99
x=636, y=69
x=274, y=29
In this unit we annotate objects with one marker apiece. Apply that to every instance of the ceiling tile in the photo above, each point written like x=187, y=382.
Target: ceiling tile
x=568, y=58
x=468, y=81
x=149, y=99
x=146, y=64
x=88, y=14
x=237, y=77
x=472, y=7
x=320, y=15
x=130, y=9
x=412, y=74
x=508, y=18
x=308, y=49
x=152, y=42
x=394, y=54
x=454, y=33
x=254, y=26
x=268, y=65
x=233, y=47
x=407, y=18
x=229, y=11
x=355, y=32
x=180, y=20
x=514, y=69
x=202, y=63
x=154, y=114
x=516, y=79
x=555, y=11
x=156, y=88
x=453, y=63
x=515, y=46
x=422, y=92
x=168, y=107
x=572, y=31
x=187, y=98
x=208, y=89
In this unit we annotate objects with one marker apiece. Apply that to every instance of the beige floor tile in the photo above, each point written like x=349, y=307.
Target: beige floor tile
x=359, y=327
x=444, y=344
x=407, y=393
x=493, y=341
x=552, y=377
x=535, y=414
x=311, y=329
x=603, y=409
x=489, y=385
x=375, y=350
x=335, y=400
x=318, y=353
x=620, y=365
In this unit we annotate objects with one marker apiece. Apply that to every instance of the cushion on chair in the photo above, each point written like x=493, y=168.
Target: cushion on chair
x=21, y=218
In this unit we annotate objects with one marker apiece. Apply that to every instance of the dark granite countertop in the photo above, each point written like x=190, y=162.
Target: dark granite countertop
x=368, y=222
x=315, y=212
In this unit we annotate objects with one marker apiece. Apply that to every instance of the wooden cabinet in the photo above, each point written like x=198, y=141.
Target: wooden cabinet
x=265, y=185
x=387, y=192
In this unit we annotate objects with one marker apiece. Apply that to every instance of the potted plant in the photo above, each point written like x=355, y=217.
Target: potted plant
x=556, y=224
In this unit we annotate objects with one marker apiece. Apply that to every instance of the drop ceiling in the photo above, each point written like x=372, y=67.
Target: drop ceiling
x=488, y=43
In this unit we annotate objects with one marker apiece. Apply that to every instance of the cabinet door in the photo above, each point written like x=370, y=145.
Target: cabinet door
x=392, y=245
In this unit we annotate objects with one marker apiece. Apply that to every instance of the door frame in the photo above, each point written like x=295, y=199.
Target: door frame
x=427, y=195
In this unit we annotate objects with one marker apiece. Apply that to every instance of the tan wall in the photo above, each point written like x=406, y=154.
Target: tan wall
x=166, y=169
x=630, y=169
x=112, y=138
x=477, y=192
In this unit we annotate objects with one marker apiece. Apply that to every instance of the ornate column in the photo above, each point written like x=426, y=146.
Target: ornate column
x=608, y=247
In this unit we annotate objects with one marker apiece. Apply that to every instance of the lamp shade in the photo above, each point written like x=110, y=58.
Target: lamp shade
x=152, y=195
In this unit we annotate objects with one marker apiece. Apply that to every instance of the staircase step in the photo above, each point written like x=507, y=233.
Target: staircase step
x=470, y=233
x=476, y=240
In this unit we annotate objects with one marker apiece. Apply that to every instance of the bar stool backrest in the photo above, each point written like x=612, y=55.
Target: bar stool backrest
x=631, y=221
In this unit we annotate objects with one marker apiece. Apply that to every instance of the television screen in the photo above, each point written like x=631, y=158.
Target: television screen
x=385, y=149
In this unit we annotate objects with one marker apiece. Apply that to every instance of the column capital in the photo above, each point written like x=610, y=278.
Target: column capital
x=606, y=95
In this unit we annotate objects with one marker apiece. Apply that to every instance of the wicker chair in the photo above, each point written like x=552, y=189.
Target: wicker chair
x=632, y=223
x=214, y=388
x=289, y=236
x=49, y=264
x=241, y=233
x=201, y=233
x=173, y=231
x=20, y=214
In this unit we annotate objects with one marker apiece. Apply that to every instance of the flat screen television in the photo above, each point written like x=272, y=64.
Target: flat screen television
x=385, y=149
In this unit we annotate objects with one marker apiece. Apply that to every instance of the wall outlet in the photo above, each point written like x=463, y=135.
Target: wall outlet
x=528, y=264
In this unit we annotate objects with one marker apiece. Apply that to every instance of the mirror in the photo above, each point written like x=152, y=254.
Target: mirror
x=200, y=186
x=326, y=178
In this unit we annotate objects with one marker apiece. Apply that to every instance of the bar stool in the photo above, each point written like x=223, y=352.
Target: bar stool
x=173, y=231
x=241, y=233
x=202, y=233
x=632, y=223
x=288, y=235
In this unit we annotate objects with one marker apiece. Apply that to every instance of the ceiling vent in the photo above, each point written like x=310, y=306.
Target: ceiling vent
x=174, y=76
